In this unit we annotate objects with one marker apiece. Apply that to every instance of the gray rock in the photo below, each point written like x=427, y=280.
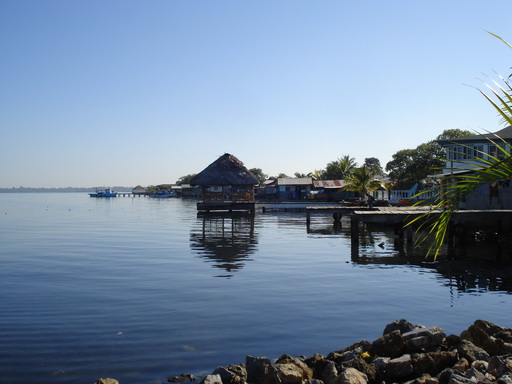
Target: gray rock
x=182, y=378
x=314, y=381
x=233, y=374
x=434, y=362
x=261, y=371
x=317, y=363
x=471, y=352
x=401, y=325
x=212, y=379
x=361, y=365
x=424, y=338
x=490, y=344
x=289, y=373
x=399, y=368
x=351, y=376
x=474, y=375
x=329, y=373
x=499, y=366
x=107, y=381
x=305, y=371
x=505, y=379
x=423, y=379
x=462, y=365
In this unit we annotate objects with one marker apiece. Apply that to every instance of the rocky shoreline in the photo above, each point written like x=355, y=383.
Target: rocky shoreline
x=406, y=353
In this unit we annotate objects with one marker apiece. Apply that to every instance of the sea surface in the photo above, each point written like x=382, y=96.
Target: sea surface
x=141, y=289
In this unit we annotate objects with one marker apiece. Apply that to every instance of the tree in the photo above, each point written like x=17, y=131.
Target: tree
x=488, y=169
x=258, y=172
x=410, y=166
x=340, y=169
x=185, y=179
x=299, y=175
x=454, y=134
x=362, y=180
x=374, y=163
x=317, y=174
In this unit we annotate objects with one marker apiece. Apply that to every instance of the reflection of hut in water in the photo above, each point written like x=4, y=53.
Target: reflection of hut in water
x=225, y=240
x=226, y=185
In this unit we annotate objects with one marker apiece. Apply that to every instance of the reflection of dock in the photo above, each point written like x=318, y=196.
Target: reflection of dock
x=225, y=239
x=461, y=222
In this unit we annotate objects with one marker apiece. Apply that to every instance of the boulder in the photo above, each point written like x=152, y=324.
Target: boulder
x=107, y=381
x=232, y=374
x=423, y=379
x=261, y=371
x=389, y=345
x=424, y=338
x=482, y=339
x=211, y=379
x=184, y=377
x=462, y=365
x=401, y=325
x=306, y=372
x=499, y=366
x=399, y=368
x=329, y=373
x=289, y=373
x=351, y=376
x=433, y=362
x=317, y=363
x=362, y=366
x=471, y=352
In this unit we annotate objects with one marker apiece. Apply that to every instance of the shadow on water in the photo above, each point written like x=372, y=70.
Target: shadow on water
x=475, y=272
x=225, y=240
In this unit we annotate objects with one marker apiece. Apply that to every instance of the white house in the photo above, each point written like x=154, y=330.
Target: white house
x=464, y=153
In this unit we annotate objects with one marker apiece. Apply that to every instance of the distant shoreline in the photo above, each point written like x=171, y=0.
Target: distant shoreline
x=60, y=190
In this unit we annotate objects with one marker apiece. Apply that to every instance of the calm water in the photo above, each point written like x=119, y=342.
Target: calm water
x=141, y=289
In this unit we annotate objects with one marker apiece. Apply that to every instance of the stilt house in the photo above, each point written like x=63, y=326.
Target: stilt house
x=226, y=185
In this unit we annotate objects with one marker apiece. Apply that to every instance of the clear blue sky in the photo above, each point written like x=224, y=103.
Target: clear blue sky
x=142, y=92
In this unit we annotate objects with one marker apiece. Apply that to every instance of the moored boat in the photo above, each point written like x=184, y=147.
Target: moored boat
x=107, y=192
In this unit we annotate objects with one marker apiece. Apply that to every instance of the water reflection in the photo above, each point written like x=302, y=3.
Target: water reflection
x=225, y=240
x=474, y=274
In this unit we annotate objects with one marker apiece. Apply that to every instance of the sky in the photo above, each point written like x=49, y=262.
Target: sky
x=126, y=93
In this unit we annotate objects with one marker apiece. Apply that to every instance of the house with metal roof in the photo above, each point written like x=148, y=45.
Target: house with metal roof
x=465, y=153
x=462, y=152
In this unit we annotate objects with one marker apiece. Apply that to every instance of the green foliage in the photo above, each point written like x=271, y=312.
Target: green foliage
x=258, y=172
x=362, y=180
x=340, y=169
x=374, y=164
x=412, y=165
x=185, y=179
x=486, y=170
x=454, y=134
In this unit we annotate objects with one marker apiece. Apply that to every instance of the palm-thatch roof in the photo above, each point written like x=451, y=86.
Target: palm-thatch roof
x=226, y=170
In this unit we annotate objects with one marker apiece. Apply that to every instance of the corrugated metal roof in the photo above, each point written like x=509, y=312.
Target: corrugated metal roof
x=295, y=181
x=328, y=183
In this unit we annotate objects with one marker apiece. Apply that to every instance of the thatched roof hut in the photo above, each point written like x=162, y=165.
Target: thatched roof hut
x=226, y=170
x=226, y=184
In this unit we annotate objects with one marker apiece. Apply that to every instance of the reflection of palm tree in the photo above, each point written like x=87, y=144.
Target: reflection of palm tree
x=361, y=180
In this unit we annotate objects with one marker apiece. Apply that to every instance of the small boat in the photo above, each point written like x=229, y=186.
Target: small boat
x=164, y=194
x=107, y=192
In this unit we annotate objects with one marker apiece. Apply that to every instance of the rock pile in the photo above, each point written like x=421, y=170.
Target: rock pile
x=406, y=353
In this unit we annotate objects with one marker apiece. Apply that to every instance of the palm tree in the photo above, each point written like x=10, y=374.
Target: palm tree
x=362, y=180
x=489, y=169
